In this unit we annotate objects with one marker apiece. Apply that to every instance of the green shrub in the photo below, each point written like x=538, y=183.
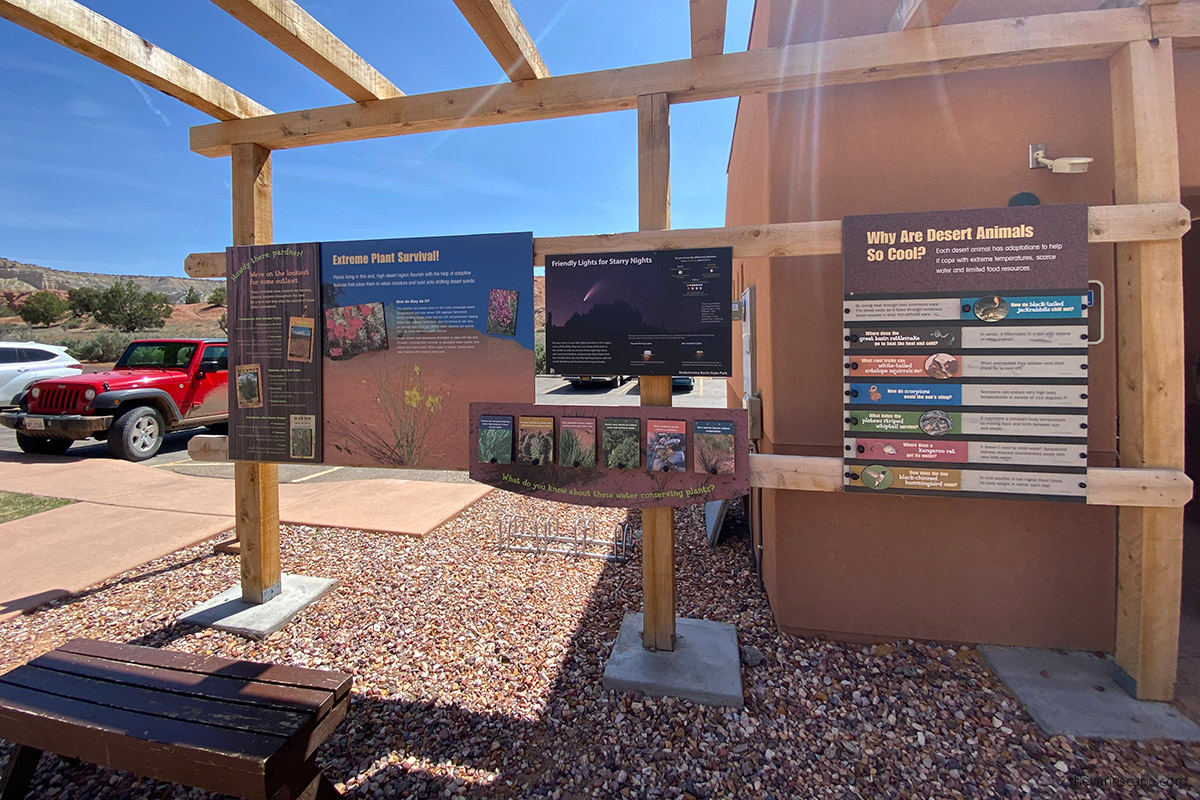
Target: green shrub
x=127, y=307
x=43, y=308
x=104, y=346
x=83, y=300
x=217, y=298
x=192, y=297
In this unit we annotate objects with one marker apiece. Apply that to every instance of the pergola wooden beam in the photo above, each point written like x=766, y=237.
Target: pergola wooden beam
x=708, y=27
x=1179, y=22
x=1050, y=38
x=293, y=30
x=79, y=28
x=500, y=28
x=911, y=14
x=1148, y=222
x=1151, y=383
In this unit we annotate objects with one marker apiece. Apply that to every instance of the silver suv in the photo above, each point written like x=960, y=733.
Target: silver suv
x=23, y=364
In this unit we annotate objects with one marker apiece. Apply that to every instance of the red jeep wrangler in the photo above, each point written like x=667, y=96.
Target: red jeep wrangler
x=158, y=386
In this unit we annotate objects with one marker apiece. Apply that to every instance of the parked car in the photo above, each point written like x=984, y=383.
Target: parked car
x=586, y=380
x=158, y=386
x=23, y=364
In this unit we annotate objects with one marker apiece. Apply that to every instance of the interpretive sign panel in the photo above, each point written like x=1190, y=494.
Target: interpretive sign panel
x=965, y=352
x=665, y=312
x=627, y=457
x=370, y=352
x=414, y=330
x=274, y=295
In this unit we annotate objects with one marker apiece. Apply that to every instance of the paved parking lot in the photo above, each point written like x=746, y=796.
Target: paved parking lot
x=708, y=393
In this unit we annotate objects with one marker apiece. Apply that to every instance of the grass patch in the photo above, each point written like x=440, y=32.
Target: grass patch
x=17, y=506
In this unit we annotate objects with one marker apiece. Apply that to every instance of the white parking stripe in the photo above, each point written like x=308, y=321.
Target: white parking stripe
x=316, y=474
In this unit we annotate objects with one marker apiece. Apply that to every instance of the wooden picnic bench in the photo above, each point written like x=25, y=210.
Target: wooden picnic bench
x=236, y=727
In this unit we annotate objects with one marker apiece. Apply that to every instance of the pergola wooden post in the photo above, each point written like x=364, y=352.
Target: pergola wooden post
x=1151, y=370
x=256, y=485
x=658, y=524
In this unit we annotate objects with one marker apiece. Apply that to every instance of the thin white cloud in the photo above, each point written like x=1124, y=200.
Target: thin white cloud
x=150, y=104
x=86, y=108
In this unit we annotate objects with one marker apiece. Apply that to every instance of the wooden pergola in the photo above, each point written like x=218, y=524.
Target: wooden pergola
x=1136, y=37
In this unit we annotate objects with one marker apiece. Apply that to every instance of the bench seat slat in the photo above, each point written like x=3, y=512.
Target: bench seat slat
x=218, y=713
x=217, y=759
x=196, y=684
x=286, y=675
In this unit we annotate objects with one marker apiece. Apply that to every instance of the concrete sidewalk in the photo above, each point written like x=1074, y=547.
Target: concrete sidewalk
x=128, y=514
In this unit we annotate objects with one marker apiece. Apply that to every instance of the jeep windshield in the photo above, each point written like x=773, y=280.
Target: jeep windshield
x=157, y=355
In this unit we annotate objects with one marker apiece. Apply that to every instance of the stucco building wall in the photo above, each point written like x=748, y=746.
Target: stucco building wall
x=882, y=567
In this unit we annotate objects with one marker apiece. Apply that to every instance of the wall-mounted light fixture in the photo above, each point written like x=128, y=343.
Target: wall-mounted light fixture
x=1038, y=160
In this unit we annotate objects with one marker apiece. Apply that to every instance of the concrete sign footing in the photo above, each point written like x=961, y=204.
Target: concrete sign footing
x=705, y=666
x=1075, y=694
x=229, y=612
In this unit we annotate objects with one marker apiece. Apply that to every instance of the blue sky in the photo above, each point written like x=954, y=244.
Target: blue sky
x=96, y=174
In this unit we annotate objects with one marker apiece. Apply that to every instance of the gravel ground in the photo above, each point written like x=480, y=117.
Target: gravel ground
x=477, y=674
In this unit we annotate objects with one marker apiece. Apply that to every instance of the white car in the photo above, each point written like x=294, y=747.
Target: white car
x=23, y=364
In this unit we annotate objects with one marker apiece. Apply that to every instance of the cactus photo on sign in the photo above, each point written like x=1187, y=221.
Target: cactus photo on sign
x=355, y=329
x=535, y=442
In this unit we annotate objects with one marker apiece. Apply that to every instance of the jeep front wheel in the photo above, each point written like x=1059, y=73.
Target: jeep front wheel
x=137, y=434
x=42, y=447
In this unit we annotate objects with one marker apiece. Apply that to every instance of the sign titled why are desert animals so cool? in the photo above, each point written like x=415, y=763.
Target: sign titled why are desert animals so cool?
x=664, y=312
x=369, y=353
x=965, y=353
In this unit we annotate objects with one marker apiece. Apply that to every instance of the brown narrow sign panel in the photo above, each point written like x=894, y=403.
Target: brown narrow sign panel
x=274, y=396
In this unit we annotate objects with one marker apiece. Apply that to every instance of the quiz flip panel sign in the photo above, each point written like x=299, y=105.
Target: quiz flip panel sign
x=965, y=353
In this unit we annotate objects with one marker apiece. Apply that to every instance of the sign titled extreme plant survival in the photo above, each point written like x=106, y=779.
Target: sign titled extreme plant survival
x=965, y=352
x=368, y=353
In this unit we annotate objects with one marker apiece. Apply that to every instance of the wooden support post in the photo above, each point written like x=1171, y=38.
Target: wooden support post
x=256, y=486
x=1151, y=370
x=658, y=524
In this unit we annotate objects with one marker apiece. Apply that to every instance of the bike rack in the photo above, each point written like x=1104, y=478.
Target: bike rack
x=523, y=533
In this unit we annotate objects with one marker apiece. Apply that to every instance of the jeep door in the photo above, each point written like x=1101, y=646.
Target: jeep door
x=208, y=395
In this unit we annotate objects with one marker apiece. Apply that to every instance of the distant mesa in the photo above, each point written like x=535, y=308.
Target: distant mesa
x=19, y=278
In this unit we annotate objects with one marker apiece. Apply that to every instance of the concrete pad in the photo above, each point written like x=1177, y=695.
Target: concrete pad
x=228, y=612
x=63, y=550
x=114, y=482
x=383, y=506
x=705, y=665
x=1075, y=694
